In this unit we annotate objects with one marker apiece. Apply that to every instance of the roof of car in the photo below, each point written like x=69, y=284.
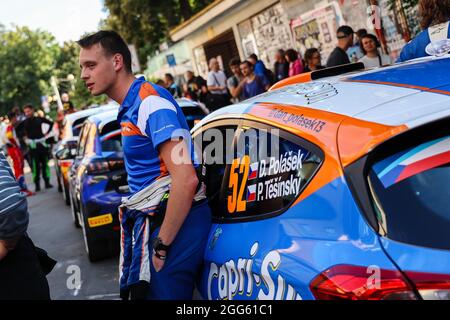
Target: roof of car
x=408, y=94
x=101, y=119
x=89, y=112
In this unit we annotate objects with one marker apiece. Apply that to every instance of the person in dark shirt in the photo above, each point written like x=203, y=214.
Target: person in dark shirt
x=36, y=139
x=345, y=40
x=312, y=60
x=253, y=84
x=196, y=87
x=281, y=66
x=22, y=272
x=173, y=88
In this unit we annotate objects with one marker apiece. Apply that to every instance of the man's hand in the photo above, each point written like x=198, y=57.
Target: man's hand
x=158, y=263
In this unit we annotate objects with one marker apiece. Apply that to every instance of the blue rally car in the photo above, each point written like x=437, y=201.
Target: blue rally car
x=338, y=187
x=98, y=181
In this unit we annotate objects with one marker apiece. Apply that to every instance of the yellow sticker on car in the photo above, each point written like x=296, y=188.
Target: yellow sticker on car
x=100, y=221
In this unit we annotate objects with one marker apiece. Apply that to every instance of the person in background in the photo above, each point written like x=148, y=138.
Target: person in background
x=354, y=52
x=161, y=83
x=313, y=60
x=236, y=81
x=196, y=87
x=23, y=267
x=372, y=56
x=345, y=40
x=68, y=106
x=253, y=84
x=217, y=86
x=295, y=63
x=435, y=23
x=39, y=149
x=281, y=66
x=14, y=151
x=173, y=88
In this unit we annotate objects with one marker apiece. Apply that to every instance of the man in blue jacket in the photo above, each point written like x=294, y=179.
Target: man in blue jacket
x=435, y=22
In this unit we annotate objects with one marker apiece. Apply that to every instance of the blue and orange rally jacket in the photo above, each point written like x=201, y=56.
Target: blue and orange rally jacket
x=416, y=47
x=149, y=116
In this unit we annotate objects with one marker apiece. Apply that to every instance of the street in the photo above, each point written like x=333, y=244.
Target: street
x=52, y=229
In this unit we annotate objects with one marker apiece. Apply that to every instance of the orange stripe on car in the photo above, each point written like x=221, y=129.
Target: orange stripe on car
x=358, y=137
x=342, y=139
x=301, y=78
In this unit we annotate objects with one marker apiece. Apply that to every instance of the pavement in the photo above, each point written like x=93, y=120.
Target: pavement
x=52, y=229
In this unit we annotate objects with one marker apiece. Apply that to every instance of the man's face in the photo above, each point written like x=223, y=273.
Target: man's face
x=65, y=97
x=369, y=45
x=235, y=70
x=98, y=71
x=246, y=71
x=347, y=40
x=28, y=112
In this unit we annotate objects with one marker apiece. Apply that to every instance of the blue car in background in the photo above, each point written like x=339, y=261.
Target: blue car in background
x=98, y=181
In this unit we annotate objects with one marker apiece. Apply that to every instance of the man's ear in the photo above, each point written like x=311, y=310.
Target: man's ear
x=118, y=62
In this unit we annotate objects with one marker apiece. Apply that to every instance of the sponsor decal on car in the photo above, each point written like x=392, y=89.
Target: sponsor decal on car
x=238, y=278
x=100, y=221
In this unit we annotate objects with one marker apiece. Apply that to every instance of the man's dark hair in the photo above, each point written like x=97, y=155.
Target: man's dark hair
x=361, y=33
x=234, y=62
x=11, y=115
x=310, y=53
x=248, y=63
x=254, y=56
x=369, y=36
x=111, y=42
x=169, y=76
x=345, y=30
x=292, y=55
x=28, y=106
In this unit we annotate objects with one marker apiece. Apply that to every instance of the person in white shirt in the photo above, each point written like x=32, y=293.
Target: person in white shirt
x=373, y=58
x=217, y=87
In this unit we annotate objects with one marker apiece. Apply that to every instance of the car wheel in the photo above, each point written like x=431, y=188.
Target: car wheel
x=96, y=249
x=74, y=213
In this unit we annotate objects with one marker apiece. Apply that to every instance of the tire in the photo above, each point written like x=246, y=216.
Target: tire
x=97, y=249
x=76, y=222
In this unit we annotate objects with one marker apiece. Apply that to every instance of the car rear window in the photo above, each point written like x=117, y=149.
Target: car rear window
x=77, y=125
x=411, y=192
x=111, y=138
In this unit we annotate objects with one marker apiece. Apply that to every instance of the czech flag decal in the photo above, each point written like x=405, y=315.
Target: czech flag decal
x=251, y=193
x=253, y=171
x=414, y=161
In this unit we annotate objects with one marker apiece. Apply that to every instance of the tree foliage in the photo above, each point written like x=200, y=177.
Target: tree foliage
x=26, y=62
x=146, y=23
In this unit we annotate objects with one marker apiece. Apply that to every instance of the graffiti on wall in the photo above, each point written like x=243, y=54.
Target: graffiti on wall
x=265, y=33
x=317, y=29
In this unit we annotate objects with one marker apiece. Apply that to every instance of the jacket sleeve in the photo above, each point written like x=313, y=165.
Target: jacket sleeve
x=13, y=204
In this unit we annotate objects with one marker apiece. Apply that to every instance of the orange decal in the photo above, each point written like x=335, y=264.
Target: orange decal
x=129, y=129
x=301, y=78
x=236, y=202
x=147, y=90
x=358, y=137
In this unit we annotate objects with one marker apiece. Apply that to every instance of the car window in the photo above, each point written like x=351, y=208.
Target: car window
x=90, y=140
x=77, y=126
x=268, y=169
x=411, y=192
x=82, y=140
x=111, y=138
x=213, y=145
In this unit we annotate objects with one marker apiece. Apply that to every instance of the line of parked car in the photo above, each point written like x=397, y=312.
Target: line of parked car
x=91, y=173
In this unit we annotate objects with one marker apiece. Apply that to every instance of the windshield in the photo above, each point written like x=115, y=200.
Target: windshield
x=411, y=190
